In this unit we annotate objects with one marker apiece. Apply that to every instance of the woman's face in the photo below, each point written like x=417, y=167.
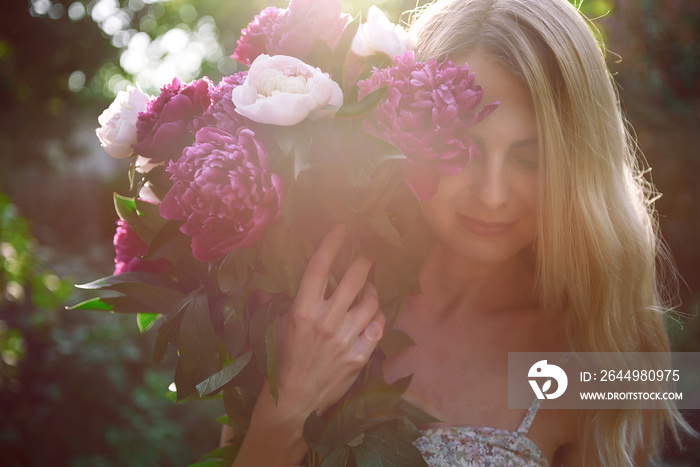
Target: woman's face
x=487, y=213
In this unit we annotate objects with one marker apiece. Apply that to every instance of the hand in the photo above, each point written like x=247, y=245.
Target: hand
x=323, y=345
x=326, y=342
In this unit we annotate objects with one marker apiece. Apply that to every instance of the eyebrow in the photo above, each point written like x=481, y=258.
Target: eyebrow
x=525, y=142
x=516, y=145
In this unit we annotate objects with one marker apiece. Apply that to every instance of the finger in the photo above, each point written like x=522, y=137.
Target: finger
x=351, y=284
x=363, y=311
x=315, y=279
x=371, y=335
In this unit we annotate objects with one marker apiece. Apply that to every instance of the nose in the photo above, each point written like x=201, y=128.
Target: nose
x=490, y=181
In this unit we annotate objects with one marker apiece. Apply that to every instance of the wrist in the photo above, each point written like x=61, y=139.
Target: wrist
x=275, y=436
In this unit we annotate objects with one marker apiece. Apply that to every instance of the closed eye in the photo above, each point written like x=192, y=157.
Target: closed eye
x=526, y=153
x=527, y=163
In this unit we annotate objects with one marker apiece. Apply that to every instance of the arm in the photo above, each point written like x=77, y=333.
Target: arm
x=324, y=344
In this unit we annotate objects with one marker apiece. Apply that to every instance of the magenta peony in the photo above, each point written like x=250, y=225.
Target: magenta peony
x=165, y=128
x=222, y=112
x=425, y=114
x=257, y=38
x=292, y=31
x=224, y=192
x=128, y=246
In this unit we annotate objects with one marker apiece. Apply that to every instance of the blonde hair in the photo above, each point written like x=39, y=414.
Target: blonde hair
x=599, y=249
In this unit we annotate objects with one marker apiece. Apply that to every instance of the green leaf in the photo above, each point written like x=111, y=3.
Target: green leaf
x=128, y=277
x=362, y=107
x=149, y=214
x=157, y=298
x=143, y=217
x=227, y=452
x=271, y=352
x=161, y=344
x=175, y=317
x=258, y=329
x=352, y=429
x=356, y=441
x=318, y=434
x=124, y=206
x=146, y=320
x=235, y=324
x=92, y=304
x=151, y=290
x=407, y=429
x=337, y=458
x=414, y=414
x=167, y=240
x=132, y=172
x=185, y=388
x=216, y=381
x=360, y=174
x=394, y=341
x=285, y=137
x=366, y=456
x=234, y=271
x=345, y=42
x=127, y=305
x=119, y=304
x=393, y=449
x=197, y=341
x=380, y=397
x=212, y=463
x=239, y=408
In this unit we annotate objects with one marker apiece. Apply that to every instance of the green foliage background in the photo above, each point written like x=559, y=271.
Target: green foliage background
x=78, y=388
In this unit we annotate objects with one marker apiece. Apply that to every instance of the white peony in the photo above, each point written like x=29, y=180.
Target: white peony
x=145, y=164
x=117, y=131
x=283, y=90
x=146, y=193
x=379, y=35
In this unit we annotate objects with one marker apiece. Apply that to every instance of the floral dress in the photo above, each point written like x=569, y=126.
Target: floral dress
x=482, y=446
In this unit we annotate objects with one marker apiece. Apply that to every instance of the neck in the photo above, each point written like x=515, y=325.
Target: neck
x=453, y=284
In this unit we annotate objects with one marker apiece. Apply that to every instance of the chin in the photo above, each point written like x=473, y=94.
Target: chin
x=492, y=252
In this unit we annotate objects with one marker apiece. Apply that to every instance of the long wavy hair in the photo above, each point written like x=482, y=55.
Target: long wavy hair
x=600, y=257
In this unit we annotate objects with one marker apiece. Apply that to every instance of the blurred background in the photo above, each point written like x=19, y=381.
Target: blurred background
x=79, y=388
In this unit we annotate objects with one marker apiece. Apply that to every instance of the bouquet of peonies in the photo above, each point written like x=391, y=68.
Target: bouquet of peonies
x=234, y=185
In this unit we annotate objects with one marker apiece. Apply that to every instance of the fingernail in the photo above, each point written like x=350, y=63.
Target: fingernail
x=374, y=331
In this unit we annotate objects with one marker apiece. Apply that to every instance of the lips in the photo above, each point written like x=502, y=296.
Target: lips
x=483, y=228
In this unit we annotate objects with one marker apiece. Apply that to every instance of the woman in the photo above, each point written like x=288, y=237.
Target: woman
x=547, y=242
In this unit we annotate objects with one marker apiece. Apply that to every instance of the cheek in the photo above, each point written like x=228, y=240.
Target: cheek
x=531, y=206
x=528, y=192
x=527, y=197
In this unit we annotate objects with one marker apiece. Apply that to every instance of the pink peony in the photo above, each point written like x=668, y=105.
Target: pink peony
x=258, y=37
x=223, y=191
x=292, y=31
x=426, y=111
x=128, y=246
x=222, y=112
x=165, y=128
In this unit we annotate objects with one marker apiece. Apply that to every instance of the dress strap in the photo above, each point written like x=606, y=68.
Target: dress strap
x=529, y=417
x=535, y=405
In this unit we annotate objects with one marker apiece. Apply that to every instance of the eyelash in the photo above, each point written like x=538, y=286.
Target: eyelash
x=527, y=163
